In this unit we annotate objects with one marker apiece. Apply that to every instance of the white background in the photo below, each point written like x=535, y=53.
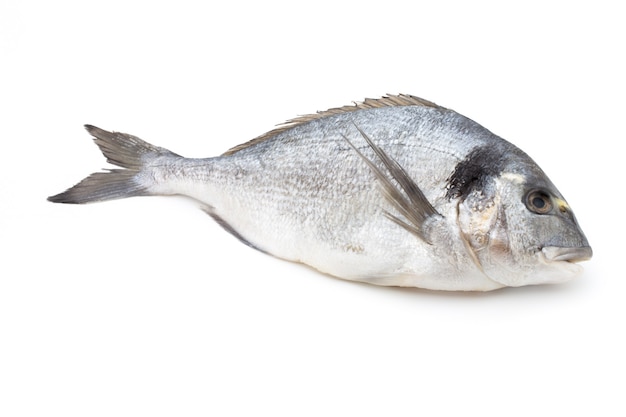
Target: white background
x=146, y=307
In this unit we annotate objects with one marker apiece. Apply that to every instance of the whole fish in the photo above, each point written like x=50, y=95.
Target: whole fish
x=393, y=191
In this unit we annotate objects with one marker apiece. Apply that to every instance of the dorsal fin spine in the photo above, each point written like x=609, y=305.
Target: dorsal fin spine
x=390, y=100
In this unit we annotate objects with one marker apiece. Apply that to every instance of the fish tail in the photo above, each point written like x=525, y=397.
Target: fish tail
x=123, y=150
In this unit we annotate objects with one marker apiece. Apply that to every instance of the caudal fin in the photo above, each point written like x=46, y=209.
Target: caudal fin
x=121, y=149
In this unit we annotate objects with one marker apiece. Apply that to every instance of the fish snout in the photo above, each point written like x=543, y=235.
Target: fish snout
x=569, y=254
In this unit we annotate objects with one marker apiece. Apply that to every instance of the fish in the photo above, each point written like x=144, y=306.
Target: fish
x=393, y=191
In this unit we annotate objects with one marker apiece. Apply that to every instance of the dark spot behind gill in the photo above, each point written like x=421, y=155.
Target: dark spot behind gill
x=473, y=172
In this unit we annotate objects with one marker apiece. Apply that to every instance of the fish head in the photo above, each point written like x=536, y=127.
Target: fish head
x=521, y=231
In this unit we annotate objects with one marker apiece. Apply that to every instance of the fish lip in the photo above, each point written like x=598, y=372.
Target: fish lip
x=568, y=254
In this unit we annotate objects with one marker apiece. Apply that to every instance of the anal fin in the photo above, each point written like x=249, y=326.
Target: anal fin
x=226, y=226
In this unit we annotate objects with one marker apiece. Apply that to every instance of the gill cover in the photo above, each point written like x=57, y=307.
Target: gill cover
x=521, y=231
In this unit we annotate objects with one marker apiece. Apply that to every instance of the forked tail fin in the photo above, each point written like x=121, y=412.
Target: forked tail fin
x=121, y=149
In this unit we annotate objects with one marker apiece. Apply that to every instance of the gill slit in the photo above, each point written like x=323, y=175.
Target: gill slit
x=468, y=247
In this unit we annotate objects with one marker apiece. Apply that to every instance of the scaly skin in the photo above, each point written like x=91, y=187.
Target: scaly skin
x=312, y=193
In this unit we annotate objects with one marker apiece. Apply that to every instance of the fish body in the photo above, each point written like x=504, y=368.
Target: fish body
x=396, y=191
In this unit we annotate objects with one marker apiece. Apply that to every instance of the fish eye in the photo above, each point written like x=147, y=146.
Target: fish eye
x=539, y=202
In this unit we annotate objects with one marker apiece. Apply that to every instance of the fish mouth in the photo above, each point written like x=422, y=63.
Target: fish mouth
x=567, y=254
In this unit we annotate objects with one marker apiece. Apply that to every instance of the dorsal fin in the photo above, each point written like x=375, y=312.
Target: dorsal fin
x=389, y=100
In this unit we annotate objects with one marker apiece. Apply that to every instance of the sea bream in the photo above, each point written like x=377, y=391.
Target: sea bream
x=394, y=191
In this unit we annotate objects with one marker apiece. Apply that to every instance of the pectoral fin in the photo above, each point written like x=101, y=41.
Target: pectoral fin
x=399, y=190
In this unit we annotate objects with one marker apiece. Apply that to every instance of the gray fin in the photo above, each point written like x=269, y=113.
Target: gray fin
x=102, y=186
x=124, y=150
x=389, y=100
x=402, y=193
x=120, y=149
x=226, y=226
